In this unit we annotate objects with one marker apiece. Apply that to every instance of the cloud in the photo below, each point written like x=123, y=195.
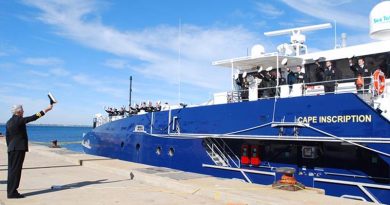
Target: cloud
x=332, y=10
x=73, y=19
x=63, y=85
x=7, y=66
x=23, y=86
x=49, y=61
x=269, y=10
x=116, y=63
x=7, y=50
x=39, y=73
x=108, y=86
x=56, y=72
x=59, y=72
x=336, y=2
x=84, y=80
x=242, y=15
x=155, y=50
x=12, y=100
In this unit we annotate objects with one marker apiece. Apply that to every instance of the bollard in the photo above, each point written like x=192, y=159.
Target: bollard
x=287, y=181
x=54, y=144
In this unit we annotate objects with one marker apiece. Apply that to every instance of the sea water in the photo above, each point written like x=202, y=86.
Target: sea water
x=68, y=137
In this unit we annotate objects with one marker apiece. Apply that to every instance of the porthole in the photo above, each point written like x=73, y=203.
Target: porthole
x=158, y=150
x=137, y=147
x=171, y=152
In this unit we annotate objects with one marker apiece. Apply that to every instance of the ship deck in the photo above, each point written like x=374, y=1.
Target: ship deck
x=56, y=175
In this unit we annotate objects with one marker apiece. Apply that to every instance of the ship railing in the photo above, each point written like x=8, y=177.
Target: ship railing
x=229, y=151
x=101, y=120
x=216, y=151
x=304, y=89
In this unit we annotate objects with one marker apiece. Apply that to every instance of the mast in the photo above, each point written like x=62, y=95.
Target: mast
x=130, y=90
x=179, y=60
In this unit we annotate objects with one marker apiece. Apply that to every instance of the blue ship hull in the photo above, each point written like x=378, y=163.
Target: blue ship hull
x=352, y=141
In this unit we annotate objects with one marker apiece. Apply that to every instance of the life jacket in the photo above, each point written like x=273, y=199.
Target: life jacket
x=359, y=81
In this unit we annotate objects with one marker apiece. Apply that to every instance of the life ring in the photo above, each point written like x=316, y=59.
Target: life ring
x=379, y=81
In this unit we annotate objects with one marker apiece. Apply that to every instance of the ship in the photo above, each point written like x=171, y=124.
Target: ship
x=335, y=140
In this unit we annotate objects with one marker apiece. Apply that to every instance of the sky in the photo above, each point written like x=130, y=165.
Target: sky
x=84, y=51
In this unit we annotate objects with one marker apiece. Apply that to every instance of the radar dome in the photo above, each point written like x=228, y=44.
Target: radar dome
x=257, y=50
x=380, y=21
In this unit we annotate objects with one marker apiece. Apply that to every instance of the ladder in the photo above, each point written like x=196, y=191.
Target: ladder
x=215, y=153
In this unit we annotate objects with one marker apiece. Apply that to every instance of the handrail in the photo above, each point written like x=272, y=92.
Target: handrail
x=304, y=85
x=230, y=150
x=310, y=83
x=220, y=152
x=347, y=141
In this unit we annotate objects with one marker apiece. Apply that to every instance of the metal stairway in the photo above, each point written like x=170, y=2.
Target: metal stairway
x=215, y=153
x=223, y=156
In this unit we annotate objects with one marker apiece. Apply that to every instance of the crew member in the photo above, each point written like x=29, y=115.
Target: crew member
x=17, y=143
x=158, y=106
x=122, y=111
x=238, y=81
x=273, y=83
x=300, y=76
x=319, y=72
x=330, y=76
x=263, y=84
x=360, y=71
x=109, y=111
x=150, y=107
x=245, y=87
x=291, y=79
x=282, y=79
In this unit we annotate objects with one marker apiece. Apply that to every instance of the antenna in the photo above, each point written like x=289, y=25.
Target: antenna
x=298, y=29
x=297, y=39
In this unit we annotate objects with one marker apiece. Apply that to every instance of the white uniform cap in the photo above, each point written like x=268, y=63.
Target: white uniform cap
x=284, y=61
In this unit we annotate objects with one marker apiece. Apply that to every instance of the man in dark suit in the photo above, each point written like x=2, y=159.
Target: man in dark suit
x=330, y=76
x=361, y=71
x=17, y=142
x=300, y=76
x=319, y=72
x=291, y=79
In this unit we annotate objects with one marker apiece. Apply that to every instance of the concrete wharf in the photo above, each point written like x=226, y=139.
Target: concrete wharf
x=62, y=177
